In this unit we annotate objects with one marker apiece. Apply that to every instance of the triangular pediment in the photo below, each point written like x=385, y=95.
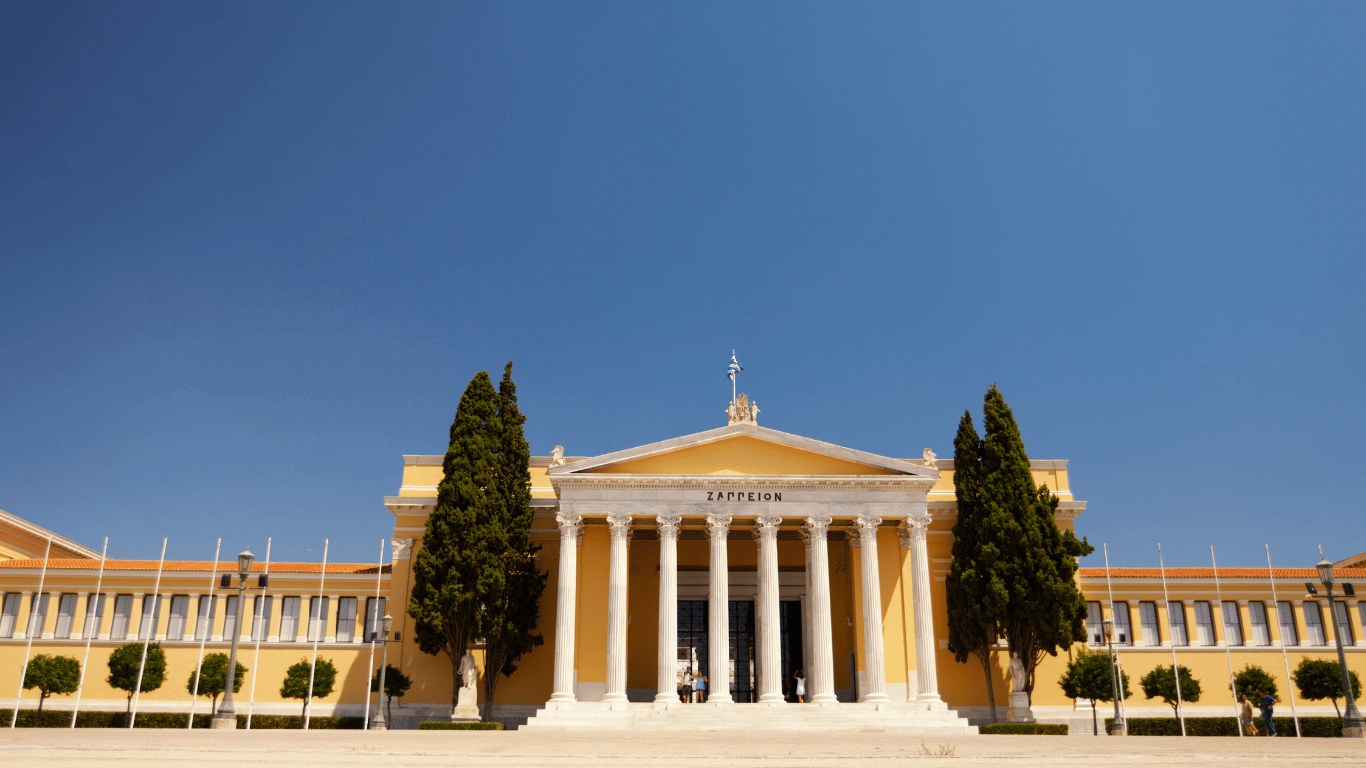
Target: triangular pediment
x=742, y=449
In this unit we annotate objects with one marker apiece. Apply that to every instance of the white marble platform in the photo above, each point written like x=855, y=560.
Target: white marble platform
x=911, y=719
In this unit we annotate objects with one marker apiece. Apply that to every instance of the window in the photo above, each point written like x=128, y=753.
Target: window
x=229, y=617
x=37, y=614
x=203, y=623
x=1147, y=618
x=346, y=619
x=123, y=612
x=151, y=614
x=374, y=618
x=1233, y=624
x=1204, y=623
x=94, y=616
x=1093, y=619
x=1361, y=608
x=1176, y=620
x=1256, y=616
x=289, y=619
x=180, y=610
x=1285, y=616
x=66, y=615
x=1313, y=623
x=1124, y=632
x=317, y=618
x=9, y=615
x=1344, y=624
x=260, y=618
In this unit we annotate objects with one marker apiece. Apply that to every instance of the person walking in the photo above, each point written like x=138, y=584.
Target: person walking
x=801, y=687
x=700, y=686
x=1268, y=704
x=1245, y=718
x=687, y=683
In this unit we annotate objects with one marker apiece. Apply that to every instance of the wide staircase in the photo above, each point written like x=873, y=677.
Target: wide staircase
x=910, y=719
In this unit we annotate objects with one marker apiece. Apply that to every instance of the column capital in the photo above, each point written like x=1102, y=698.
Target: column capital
x=668, y=525
x=912, y=529
x=620, y=524
x=766, y=526
x=866, y=525
x=571, y=524
x=718, y=525
x=816, y=527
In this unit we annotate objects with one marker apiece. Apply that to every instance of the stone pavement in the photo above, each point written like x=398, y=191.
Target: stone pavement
x=57, y=748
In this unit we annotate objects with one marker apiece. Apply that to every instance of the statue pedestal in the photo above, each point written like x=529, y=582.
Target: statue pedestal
x=466, y=707
x=1019, y=708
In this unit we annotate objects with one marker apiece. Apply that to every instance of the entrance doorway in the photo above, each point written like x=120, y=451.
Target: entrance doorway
x=693, y=633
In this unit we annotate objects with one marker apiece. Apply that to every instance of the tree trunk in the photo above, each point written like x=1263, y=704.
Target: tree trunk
x=39, y=722
x=129, y=709
x=985, y=657
x=456, y=681
x=303, y=713
x=213, y=705
x=1095, y=727
x=389, y=708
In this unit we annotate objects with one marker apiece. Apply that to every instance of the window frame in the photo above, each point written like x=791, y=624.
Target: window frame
x=345, y=621
x=289, y=617
x=1314, y=629
x=1233, y=625
x=1261, y=631
x=66, y=615
x=1343, y=624
x=94, y=614
x=147, y=625
x=1286, y=609
x=1095, y=615
x=9, y=613
x=1178, y=629
x=180, y=614
x=262, y=608
x=1152, y=631
x=1124, y=629
x=123, y=612
x=317, y=618
x=1204, y=610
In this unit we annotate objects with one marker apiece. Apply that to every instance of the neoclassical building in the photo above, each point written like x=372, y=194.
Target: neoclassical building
x=742, y=554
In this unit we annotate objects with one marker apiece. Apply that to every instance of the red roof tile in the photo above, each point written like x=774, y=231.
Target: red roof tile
x=1291, y=574
x=205, y=566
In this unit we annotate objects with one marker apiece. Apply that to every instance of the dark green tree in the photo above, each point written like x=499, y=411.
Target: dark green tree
x=462, y=546
x=213, y=678
x=51, y=674
x=1319, y=679
x=1088, y=677
x=511, y=604
x=1045, y=612
x=395, y=685
x=1160, y=683
x=123, y=669
x=1251, y=679
x=976, y=589
x=296, y=682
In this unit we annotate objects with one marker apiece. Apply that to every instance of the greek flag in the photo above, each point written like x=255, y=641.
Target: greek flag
x=734, y=367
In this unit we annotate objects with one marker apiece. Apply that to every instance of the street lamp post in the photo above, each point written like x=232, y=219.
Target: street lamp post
x=1351, y=718
x=226, y=716
x=1119, y=728
x=378, y=723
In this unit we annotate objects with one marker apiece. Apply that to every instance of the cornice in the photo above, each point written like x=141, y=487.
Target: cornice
x=606, y=481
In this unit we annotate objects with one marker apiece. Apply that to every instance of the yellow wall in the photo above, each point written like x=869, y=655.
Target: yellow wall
x=742, y=455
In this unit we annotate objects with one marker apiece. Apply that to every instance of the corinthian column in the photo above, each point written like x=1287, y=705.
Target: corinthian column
x=571, y=527
x=820, y=678
x=620, y=525
x=718, y=610
x=927, y=676
x=665, y=678
x=770, y=649
x=874, y=664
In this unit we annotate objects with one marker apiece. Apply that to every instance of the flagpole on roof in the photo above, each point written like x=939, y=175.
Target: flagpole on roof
x=1285, y=657
x=205, y=618
x=92, y=614
x=150, y=632
x=34, y=604
x=1171, y=639
x=1232, y=683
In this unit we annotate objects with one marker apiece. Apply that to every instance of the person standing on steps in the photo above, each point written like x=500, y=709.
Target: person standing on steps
x=700, y=685
x=687, y=683
x=801, y=687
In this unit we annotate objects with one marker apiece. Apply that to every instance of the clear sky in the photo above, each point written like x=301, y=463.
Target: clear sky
x=251, y=253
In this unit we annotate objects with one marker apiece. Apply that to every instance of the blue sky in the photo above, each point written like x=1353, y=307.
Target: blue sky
x=251, y=253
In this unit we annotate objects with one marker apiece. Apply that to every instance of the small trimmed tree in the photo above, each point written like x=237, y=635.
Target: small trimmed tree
x=296, y=682
x=123, y=669
x=213, y=678
x=51, y=674
x=395, y=685
x=1251, y=679
x=1319, y=679
x=1160, y=683
x=1088, y=677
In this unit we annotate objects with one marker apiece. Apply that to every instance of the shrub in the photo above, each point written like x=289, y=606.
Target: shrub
x=441, y=725
x=1026, y=729
x=99, y=719
x=1321, y=727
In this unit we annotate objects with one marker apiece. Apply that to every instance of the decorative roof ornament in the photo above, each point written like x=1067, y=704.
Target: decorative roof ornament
x=928, y=459
x=740, y=410
x=557, y=456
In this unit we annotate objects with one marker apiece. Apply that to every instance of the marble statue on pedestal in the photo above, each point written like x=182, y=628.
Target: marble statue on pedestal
x=467, y=699
x=1019, y=697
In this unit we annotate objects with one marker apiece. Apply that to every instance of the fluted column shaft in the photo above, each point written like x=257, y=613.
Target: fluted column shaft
x=718, y=610
x=820, y=678
x=620, y=527
x=666, y=679
x=874, y=662
x=927, y=675
x=571, y=527
x=770, y=648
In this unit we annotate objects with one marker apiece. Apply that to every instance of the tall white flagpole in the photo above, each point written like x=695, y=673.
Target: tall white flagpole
x=322, y=629
x=1237, y=712
x=156, y=610
x=1285, y=658
x=1176, y=670
x=208, y=630
x=372, y=623
x=265, y=630
x=1114, y=616
x=90, y=613
x=37, y=602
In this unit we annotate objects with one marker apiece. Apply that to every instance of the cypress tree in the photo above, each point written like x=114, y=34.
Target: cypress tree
x=458, y=563
x=976, y=590
x=1044, y=611
x=512, y=604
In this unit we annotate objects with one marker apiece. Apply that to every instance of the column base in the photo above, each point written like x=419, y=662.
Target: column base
x=824, y=698
x=615, y=698
x=772, y=698
x=562, y=698
x=876, y=698
x=228, y=723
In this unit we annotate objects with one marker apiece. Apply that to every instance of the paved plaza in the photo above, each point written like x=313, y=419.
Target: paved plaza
x=54, y=748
